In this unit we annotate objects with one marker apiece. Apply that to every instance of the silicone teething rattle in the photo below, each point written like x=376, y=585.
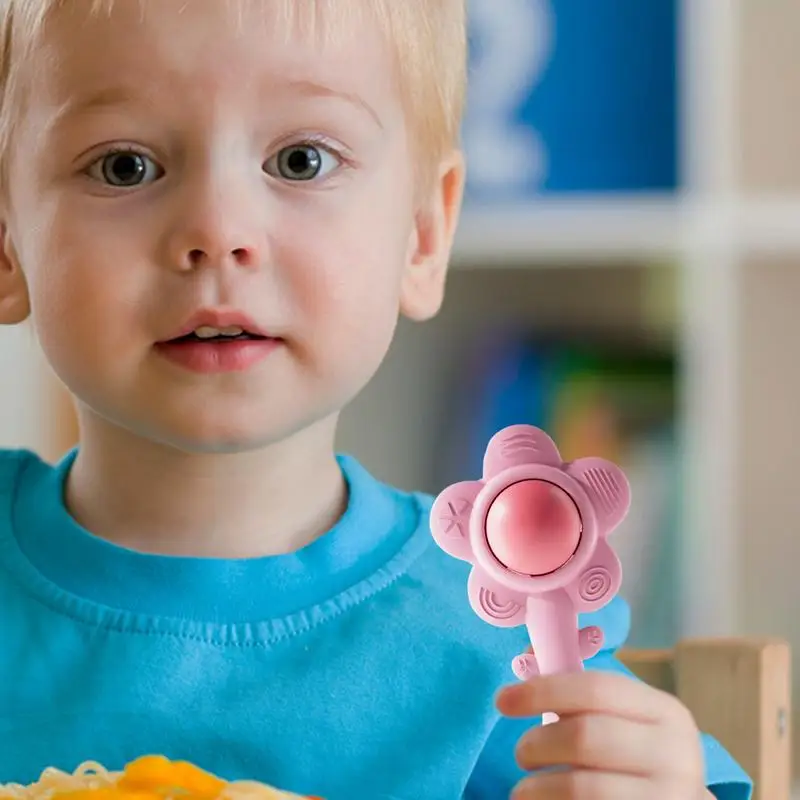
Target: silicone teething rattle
x=534, y=528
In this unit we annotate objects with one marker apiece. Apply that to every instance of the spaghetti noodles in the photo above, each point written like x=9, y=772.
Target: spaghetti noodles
x=146, y=778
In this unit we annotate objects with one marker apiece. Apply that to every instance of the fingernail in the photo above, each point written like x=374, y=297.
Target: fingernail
x=503, y=694
x=519, y=793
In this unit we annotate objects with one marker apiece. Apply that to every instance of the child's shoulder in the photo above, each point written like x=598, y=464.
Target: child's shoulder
x=16, y=456
x=22, y=472
x=24, y=478
x=16, y=463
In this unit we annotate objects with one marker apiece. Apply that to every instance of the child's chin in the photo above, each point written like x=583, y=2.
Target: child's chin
x=221, y=425
x=222, y=442
x=203, y=437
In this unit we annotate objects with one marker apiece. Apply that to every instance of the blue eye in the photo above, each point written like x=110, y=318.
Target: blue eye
x=301, y=162
x=125, y=169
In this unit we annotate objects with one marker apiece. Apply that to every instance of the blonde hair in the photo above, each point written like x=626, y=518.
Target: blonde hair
x=428, y=36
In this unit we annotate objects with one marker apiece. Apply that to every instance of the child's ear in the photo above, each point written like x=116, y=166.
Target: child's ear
x=431, y=242
x=14, y=302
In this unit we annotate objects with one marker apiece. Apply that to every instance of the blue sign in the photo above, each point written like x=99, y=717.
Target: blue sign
x=571, y=96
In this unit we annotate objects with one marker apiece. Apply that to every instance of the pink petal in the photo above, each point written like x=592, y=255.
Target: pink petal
x=596, y=586
x=450, y=518
x=493, y=603
x=516, y=446
x=607, y=487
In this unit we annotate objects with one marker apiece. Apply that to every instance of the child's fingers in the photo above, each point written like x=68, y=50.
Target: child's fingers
x=594, y=741
x=583, y=784
x=589, y=692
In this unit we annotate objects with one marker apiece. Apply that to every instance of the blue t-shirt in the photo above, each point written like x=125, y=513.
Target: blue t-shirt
x=352, y=668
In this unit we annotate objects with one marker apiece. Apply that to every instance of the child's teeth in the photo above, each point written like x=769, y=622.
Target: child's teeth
x=206, y=332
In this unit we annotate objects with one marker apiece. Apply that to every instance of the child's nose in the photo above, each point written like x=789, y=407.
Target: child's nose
x=210, y=249
x=212, y=256
x=214, y=230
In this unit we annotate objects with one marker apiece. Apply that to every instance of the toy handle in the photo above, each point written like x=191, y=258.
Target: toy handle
x=553, y=629
x=552, y=623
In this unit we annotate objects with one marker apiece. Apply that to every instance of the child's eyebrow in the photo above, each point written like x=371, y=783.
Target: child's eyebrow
x=80, y=104
x=314, y=89
x=117, y=95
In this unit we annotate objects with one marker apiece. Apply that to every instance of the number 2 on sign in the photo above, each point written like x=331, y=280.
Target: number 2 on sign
x=514, y=40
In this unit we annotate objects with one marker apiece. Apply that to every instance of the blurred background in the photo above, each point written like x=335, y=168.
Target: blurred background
x=627, y=275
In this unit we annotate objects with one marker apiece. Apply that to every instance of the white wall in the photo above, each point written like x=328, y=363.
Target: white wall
x=23, y=404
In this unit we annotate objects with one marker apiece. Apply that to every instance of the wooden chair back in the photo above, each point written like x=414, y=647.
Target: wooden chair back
x=739, y=691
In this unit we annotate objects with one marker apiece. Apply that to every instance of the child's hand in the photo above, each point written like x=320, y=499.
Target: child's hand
x=616, y=739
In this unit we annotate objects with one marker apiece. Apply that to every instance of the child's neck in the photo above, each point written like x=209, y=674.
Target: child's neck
x=156, y=499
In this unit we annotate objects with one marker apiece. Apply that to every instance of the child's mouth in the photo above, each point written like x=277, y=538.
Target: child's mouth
x=213, y=350
x=209, y=334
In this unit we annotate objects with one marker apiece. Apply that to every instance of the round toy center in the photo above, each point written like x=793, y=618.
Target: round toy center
x=533, y=527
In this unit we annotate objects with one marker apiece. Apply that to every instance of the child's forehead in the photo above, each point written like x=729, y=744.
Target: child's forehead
x=323, y=23
x=320, y=19
x=91, y=40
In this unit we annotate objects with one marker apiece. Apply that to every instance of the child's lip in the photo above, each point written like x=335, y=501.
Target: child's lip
x=220, y=318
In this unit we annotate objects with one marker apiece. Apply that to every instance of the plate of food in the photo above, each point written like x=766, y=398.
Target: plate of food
x=146, y=778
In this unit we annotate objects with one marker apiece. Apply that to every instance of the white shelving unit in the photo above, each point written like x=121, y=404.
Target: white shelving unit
x=578, y=231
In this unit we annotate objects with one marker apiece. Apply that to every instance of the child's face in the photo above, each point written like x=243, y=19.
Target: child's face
x=192, y=158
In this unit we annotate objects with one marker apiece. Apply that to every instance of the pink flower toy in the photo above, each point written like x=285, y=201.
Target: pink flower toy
x=535, y=530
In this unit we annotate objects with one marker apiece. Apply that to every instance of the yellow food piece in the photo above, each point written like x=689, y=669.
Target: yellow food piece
x=158, y=775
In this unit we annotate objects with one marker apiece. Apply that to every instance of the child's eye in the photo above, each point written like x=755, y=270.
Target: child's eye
x=301, y=162
x=125, y=169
